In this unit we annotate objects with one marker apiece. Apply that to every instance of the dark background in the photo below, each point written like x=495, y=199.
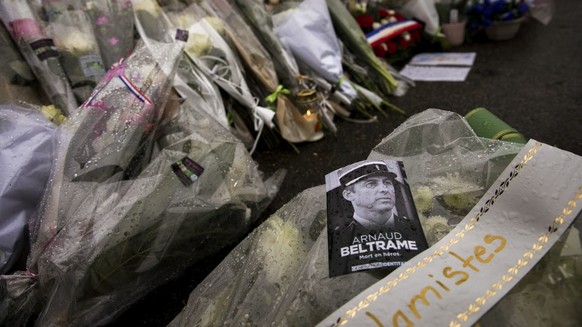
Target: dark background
x=532, y=82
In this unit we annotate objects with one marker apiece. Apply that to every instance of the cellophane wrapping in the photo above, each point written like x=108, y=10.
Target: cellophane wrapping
x=279, y=274
x=26, y=154
x=79, y=51
x=116, y=220
x=39, y=51
x=113, y=23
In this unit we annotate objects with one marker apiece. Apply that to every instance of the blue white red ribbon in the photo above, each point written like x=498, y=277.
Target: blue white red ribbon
x=118, y=70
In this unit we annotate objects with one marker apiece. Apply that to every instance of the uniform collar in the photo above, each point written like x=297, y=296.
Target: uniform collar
x=370, y=224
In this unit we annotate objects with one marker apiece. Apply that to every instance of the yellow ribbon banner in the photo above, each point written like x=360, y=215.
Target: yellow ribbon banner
x=457, y=280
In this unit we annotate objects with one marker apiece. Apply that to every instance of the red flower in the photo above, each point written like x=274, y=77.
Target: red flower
x=365, y=21
x=380, y=50
x=392, y=47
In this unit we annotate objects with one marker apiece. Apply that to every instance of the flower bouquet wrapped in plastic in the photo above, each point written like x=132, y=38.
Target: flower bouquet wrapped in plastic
x=154, y=25
x=26, y=144
x=252, y=54
x=279, y=274
x=200, y=192
x=107, y=140
x=261, y=76
x=307, y=30
x=261, y=23
x=310, y=23
x=17, y=82
x=349, y=32
x=74, y=37
x=211, y=54
x=295, y=124
x=113, y=23
x=39, y=51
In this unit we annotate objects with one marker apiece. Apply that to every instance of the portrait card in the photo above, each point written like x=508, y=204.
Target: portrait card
x=371, y=218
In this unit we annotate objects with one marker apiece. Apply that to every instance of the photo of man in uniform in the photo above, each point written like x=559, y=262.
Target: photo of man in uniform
x=372, y=222
x=371, y=191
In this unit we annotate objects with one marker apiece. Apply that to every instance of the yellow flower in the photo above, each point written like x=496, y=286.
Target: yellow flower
x=53, y=114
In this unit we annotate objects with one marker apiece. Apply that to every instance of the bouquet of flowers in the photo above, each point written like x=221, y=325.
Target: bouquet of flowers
x=154, y=25
x=17, y=82
x=295, y=125
x=113, y=24
x=79, y=52
x=252, y=54
x=26, y=144
x=213, y=56
x=254, y=59
x=351, y=35
x=301, y=29
x=114, y=237
x=482, y=13
x=279, y=273
x=39, y=51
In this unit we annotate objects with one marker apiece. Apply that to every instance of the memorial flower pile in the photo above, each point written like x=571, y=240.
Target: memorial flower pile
x=138, y=191
x=153, y=170
x=296, y=94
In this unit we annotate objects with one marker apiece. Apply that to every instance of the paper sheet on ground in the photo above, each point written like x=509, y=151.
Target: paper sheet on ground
x=446, y=67
x=444, y=59
x=434, y=74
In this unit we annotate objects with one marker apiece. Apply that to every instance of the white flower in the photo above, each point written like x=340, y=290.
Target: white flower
x=423, y=197
x=457, y=193
x=435, y=228
x=76, y=42
x=281, y=248
x=216, y=23
x=148, y=6
x=198, y=44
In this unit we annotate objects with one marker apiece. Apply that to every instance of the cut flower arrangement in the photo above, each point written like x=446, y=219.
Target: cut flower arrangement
x=483, y=13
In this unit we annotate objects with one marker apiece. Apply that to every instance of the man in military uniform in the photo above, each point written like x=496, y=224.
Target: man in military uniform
x=370, y=188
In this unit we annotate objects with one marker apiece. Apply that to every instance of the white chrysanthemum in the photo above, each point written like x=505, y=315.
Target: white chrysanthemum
x=76, y=42
x=456, y=192
x=216, y=23
x=184, y=20
x=198, y=44
x=147, y=5
x=282, y=249
x=435, y=228
x=423, y=197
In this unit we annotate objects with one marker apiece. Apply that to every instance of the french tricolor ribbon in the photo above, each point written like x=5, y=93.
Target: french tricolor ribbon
x=118, y=70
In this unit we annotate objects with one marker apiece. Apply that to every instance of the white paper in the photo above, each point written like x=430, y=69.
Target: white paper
x=460, y=278
x=435, y=74
x=444, y=59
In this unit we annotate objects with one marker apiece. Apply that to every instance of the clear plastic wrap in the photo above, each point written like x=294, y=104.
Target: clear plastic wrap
x=26, y=154
x=17, y=82
x=39, y=51
x=191, y=83
x=79, y=52
x=212, y=55
x=308, y=25
x=113, y=24
x=279, y=274
x=109, y=232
